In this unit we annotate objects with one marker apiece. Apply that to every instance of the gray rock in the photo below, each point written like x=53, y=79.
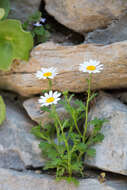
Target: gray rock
x=122, y=96
x=18, y=147
x=116, y=32
x=111, y=154
x=33, y=109
x=21, y=9
x=86, y=15
x=12, y=180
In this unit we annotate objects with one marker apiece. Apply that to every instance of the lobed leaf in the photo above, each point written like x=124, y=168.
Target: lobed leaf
x=6, y=55
x=18, y=42
x=91, y=152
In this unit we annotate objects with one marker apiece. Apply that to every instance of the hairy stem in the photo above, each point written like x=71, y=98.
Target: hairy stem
x=66, y=144
x=87, y=108
x=73, y=115
x=49, y=84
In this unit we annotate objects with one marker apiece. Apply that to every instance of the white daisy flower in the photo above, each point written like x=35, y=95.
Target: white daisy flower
x=48, y=99
x=37, y=24
x=45, y=73
x=91, y=66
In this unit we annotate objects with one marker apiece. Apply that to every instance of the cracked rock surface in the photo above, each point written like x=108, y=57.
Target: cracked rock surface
x=18, y=147
x=66, y=59
x=111, y=154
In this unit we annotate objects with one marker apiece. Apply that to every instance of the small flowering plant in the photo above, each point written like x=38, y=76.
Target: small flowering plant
x=38, y=26
x=67, y=154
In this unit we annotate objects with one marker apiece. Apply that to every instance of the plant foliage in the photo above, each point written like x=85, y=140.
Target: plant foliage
x=67, y=154
x=2, y=110
x=15, y=43
x=40, y=33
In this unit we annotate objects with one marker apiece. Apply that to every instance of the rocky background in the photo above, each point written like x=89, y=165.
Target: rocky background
x=95, y=29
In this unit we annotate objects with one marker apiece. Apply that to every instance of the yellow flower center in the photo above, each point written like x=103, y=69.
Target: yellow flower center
x=48, y=74
x=91, y=68
x=49, y=100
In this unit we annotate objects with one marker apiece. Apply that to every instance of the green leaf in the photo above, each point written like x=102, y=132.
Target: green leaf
x=65, y=123
x=2, y=110
x=21, y=41
x=74, y=136
x=48, y=150
x=62, y=148
x=91, y=152
x=98, y=122
x=76, y=166
x=80, y=104
x=70, y=98
x=60, y=171
x=65, y=93
x=35, y=17
x=98, y=138
x=25, y=25
x=92, y=96
x=45, y=145
x=61, y=138
x=46, y=109
x=37, y=132
x=39, y=30
x=6, y=55
x=49, y=165
x=43, y=38
x=81, y=147
x=6, y=6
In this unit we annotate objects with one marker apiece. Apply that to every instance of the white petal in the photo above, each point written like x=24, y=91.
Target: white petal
x=58, y=95
x=40, y=101
x=46, y=95
x=51, y=93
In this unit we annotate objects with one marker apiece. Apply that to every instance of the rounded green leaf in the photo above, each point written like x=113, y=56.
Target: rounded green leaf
x=6, y=55
x=20, y=41
x=2, y=110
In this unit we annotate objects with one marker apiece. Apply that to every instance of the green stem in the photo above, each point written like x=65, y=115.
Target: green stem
x=76, y=125
x=87, y=108
x=56, y=125
x=73, y=115
x=80, y=156
x=66, y=144
x=49, y=84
